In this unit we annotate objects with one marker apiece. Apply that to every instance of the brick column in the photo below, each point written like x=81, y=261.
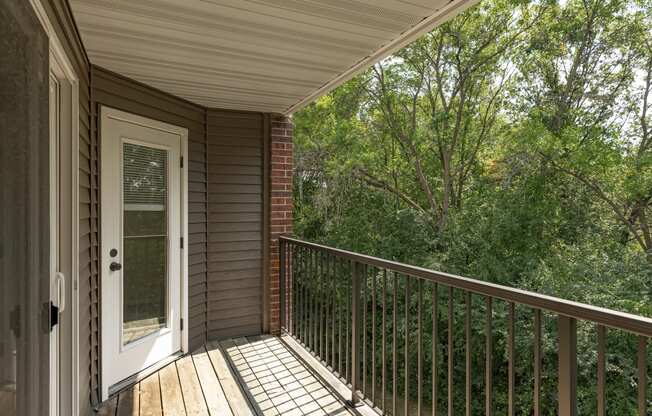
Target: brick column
x=281, y=204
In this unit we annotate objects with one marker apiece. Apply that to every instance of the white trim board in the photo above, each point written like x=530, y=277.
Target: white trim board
x=108, y=113
x=64, y=62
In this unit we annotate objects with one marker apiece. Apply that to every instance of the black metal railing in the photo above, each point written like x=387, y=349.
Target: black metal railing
x=409, y=340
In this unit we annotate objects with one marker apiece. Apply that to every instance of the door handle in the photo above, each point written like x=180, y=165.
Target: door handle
x=61, y=290
x=114, y=266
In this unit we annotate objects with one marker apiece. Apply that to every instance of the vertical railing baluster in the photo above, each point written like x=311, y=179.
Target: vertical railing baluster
x=434, y=345
x=293, y=277
x=311, y=300
x=602, y=338
x=281, y=277
x=315, y=299
x=383, y=340
x=315, y=302
x=419, y=346
x=567, y=388
x=293, y=286
x=320, y=305
x=324, y=309
x=290, y=294
x=296, y=278
x=488, y=364
x=467, y=332
x=373, y=336
x=304, y=296
x=334, y=307
x=338, y=269
x=298, y=281
x=323, y=331
x=304, y=337
x=364, y=330
x=537, y=362
x=349, y=295
x=326, y=296
x=394, y=345
x=451, y=321
x=287, y=279
x=510, y=357
x=306, y=311
x=355, y=333
x=327, y=299
x=642, y=375
x=319, y=328
x=406, y=350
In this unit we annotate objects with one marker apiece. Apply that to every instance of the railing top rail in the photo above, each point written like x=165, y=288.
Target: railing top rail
x=603, y=316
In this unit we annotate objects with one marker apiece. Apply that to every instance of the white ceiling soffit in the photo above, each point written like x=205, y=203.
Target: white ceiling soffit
x=260, y=55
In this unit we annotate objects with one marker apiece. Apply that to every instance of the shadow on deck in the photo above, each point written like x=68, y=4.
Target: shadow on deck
x=245, y=376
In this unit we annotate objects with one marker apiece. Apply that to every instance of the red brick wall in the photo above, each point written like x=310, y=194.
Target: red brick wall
x=281, y=204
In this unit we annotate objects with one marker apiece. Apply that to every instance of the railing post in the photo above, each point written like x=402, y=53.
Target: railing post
x=282, y=282
x=642, y=375
x=567, y=329
x=355, y=333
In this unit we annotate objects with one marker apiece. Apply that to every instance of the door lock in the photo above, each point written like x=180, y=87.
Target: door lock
x=114, y=266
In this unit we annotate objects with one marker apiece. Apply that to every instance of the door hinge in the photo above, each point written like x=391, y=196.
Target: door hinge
x=181, y=242
x=181, y=162
x=182, y=324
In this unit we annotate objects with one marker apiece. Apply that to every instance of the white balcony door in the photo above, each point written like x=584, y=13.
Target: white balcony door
x=141, y=251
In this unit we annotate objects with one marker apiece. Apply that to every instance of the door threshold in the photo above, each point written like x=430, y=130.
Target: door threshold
x=135, y=378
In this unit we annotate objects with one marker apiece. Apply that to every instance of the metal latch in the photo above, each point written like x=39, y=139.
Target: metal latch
x=54, y=315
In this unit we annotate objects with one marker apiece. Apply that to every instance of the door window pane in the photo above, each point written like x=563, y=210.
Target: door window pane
x=145, y=241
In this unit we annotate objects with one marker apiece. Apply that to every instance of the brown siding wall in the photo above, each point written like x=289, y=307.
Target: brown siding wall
x=235, y=223
x=61, y=18
x=226, y=195
x=116, y=91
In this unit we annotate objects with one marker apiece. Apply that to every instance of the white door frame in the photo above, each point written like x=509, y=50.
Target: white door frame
x=112, y=113
x=61, y=64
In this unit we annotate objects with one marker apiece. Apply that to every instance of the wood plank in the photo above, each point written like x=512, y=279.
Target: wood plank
x=215, y=398
x=129, y=401
x=171, y=396
x=150, y=396
x=192, y=393
x=108, y=408
x=236, y=398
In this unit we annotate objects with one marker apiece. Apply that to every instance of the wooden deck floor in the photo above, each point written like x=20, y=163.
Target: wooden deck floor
x=238, y=377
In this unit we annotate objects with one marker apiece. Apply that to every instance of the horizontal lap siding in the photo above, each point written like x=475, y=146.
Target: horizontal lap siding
x=234, y=155
x=124, y=94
